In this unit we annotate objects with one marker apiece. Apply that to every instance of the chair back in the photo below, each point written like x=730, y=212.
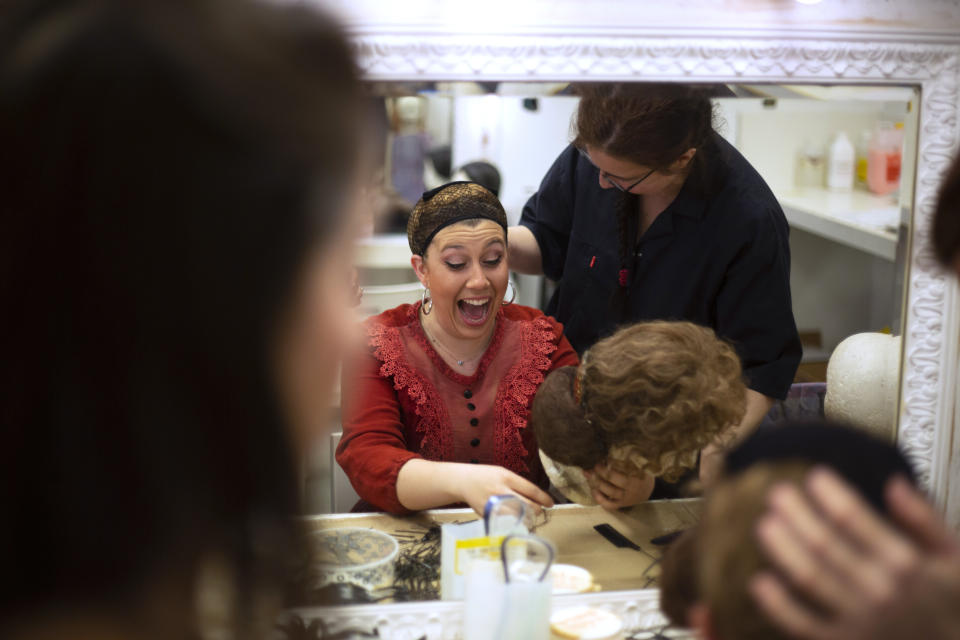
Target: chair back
x=342, y=494
x=379, y=298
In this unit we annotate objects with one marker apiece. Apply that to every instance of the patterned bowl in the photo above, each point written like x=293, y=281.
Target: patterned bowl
x=364, y=557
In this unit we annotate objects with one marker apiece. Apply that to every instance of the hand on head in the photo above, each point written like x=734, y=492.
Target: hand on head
x=859, y=577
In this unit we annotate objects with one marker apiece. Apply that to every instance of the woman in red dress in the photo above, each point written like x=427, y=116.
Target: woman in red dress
x=436, y=410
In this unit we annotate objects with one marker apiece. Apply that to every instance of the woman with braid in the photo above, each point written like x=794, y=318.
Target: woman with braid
x=650, y=215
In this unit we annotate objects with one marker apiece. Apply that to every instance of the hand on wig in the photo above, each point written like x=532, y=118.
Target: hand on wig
x=479, y=482
x=846, y=574
x=614, y=490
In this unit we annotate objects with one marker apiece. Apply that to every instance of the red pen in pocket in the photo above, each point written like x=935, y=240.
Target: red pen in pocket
x=593, y=261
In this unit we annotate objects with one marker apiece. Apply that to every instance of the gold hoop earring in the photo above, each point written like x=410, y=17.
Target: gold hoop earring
x=426, y=302
x=514, y=296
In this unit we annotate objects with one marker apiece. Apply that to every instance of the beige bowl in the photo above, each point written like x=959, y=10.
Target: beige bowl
x=354, y=555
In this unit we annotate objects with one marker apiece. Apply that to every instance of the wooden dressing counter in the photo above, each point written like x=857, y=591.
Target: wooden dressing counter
x=571, y=530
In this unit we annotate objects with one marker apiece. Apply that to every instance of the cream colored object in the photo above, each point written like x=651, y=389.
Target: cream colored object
x=568, y=480
x=585, y=623
x=863, y=383
x=569, y=578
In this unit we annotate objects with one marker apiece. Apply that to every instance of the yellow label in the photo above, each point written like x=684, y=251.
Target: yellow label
x=862, y=169
x=469, y=549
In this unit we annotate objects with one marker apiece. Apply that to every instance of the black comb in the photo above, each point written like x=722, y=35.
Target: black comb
x=667, y=538
x=615, y=537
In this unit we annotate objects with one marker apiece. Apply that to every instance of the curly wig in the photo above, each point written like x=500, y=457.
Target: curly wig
x=651, y=396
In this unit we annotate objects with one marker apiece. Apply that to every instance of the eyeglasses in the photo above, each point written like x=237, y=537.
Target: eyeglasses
x=611, y=181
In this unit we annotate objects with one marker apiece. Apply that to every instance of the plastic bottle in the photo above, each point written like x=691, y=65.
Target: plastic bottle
x=810, y=165
x=897, y=142
x=883, y=170
x=840, y=164
x=863, y=152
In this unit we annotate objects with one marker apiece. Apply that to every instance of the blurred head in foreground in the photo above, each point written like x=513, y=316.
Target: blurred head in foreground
x=177, y=183
x=706, y=572
x=945, y=234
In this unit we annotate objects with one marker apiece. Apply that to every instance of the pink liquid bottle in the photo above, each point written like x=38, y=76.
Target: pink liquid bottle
x=883, y=159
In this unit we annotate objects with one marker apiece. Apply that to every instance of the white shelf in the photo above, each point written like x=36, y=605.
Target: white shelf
x=833, y=93
x=856, y=219
x=854, y=92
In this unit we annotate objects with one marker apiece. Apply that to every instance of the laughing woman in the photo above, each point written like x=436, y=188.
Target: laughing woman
x=436, y=411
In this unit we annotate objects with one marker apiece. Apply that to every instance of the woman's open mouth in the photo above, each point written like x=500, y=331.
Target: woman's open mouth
x=474, y=311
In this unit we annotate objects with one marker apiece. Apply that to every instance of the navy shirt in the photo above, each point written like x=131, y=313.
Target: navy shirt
x=721, y=260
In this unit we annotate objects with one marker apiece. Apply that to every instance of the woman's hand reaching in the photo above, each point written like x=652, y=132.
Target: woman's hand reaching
x=477, y=482
x=613, y=490
x=424, y=484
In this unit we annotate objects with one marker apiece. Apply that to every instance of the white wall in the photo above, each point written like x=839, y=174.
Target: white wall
x=771, y=138
x=439, y=113
x=839, y=290
x=836, y=289
x=521, y=143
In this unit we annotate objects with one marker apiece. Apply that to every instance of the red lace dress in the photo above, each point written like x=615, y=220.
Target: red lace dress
x=402, y=401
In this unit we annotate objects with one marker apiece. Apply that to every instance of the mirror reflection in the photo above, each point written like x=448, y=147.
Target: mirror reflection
x=580, y=308
x=621, y=282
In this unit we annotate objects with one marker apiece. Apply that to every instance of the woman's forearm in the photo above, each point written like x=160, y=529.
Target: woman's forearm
x=711, y=458
x=424, y=484
x=757, y=407
x=525, y=254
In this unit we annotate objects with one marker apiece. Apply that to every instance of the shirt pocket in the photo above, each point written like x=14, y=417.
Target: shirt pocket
x=586, y=291
x=592, y=265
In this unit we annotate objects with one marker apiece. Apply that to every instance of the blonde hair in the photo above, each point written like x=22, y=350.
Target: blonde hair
x=658, y=392
x=729, y=554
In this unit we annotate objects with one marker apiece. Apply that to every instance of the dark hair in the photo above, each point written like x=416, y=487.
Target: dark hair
x=449, y=204
x=441, y=158
x=560, y=426
x=679, y=567
x=863, y=460
x=485, y=174
x=946, y=217
x=166, y=168
x=649, y=124
x=714, y=562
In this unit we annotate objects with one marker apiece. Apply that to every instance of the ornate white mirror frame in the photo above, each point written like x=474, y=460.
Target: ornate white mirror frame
x=724, y=54
x=423, y=40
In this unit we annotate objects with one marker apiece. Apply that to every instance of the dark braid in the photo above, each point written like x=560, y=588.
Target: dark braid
x=627, y=207
x=649, y=124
